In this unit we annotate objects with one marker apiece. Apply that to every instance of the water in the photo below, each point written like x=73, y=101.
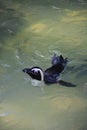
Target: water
x=30, y=33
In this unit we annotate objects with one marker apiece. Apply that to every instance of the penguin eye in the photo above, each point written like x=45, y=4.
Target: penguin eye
x=33, y=71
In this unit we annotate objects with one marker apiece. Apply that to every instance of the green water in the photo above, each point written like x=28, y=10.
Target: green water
x=30, y=33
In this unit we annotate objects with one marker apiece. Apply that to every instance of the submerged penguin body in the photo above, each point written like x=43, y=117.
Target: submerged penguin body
x=52, y=74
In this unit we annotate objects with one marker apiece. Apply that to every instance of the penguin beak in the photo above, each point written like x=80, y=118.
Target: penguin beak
x=27, y=70
x=24, y=70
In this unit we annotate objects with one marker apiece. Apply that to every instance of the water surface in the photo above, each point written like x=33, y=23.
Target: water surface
x=30, y=33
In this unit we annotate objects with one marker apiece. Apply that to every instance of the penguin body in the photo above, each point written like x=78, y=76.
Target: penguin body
x=51, y=74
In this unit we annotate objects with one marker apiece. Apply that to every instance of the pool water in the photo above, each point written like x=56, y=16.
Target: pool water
x=31, y=32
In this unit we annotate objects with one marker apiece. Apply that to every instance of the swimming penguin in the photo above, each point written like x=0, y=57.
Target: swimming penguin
x=52, y=74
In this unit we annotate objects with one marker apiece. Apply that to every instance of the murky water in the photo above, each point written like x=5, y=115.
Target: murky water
x=30, y=33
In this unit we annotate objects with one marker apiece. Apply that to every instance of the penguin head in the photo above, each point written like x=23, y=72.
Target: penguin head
x=34, y=72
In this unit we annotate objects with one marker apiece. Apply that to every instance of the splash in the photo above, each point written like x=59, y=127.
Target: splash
x=36, y=83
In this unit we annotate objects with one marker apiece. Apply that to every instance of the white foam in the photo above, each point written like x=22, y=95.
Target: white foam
x=35, y=83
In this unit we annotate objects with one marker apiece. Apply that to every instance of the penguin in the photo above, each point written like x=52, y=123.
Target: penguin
x=52, y=74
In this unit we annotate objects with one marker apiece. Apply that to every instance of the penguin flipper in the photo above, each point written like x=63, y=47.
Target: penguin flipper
x=59, y=60
x=66, y=84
